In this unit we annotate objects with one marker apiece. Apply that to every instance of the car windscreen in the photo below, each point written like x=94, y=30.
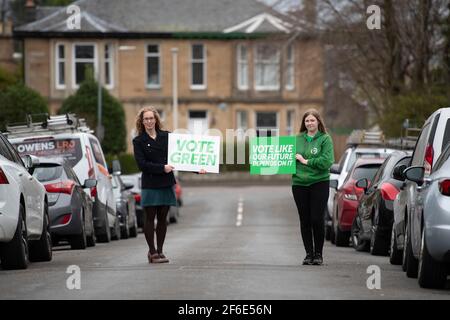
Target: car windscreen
x=446, y=137
x=47, y=173
x=366, y=171
x=69, y=148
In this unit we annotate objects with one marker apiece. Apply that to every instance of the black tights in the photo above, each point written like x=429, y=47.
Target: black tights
x=160, y=212
x=311, y=202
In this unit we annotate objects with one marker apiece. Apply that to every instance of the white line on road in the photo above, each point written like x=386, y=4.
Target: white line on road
x=240, y=211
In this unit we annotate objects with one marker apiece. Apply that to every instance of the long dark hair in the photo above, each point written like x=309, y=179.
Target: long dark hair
x=316, y=114
x=140, y=119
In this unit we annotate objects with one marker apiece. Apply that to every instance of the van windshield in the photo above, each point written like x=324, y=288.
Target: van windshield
x=69, y=148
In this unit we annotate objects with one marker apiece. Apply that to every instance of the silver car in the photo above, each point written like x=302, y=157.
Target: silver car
x=430, y=222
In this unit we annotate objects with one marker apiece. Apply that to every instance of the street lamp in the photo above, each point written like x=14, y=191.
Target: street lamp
x=175, y=88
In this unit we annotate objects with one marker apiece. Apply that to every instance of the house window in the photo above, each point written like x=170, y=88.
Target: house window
x=242, y=120
x=60, y=66
x=267, y=67
x=242, y=67
x=290, y=68
x=84, y=62
x=109, y=81
x=153, y=66
x=198, y=67
x=290, y=122
x=162, y=114
x=266, y=124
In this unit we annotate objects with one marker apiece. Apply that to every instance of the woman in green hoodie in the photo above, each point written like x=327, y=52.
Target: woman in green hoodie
x=310, y=183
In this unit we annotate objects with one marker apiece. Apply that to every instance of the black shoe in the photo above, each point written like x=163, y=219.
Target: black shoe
x=308, y=259
x=317, y=260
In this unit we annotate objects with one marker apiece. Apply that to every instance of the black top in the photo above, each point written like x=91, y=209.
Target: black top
x=151, y=156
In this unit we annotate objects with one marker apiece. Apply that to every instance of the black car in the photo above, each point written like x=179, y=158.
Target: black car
x=70, y=207
x=371, y=228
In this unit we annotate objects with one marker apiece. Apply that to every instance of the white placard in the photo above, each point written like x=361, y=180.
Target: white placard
x=190, y=152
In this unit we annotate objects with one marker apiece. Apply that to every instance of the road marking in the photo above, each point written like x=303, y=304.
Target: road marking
x=240, y=212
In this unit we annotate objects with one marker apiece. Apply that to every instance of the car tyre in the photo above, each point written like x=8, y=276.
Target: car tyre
x=41, y=250
x=134, y=229
x=358, y=245
x=395, y=254
x=125, y=230
x=115, y=232
x=15, y=254
x=105, y=236
x=411, y=263
x=432, y=273
x=79, y=241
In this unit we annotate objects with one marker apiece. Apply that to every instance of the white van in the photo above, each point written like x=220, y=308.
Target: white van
x=68, y=137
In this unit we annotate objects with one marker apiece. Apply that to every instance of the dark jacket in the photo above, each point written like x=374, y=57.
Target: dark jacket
x=151, y=156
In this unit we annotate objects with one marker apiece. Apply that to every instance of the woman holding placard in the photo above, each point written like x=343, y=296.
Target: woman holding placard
x=310, y=183
x=150, y=152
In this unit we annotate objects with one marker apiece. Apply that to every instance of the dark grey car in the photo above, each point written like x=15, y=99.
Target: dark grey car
x=125, y=206
x=70, y=208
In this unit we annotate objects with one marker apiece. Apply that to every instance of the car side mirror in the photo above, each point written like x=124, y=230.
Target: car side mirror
x=415, y=174
x=363, y=184
x=398, y=173
x=334, y=184
x=30, y=162
x=335, y=169
x=89, y=183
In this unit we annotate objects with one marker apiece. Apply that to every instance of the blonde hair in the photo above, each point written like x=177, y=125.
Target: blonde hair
x=140, y=119
x=316, y=114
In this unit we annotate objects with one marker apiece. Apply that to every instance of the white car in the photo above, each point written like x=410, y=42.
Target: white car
x=24, y=220
x=74, y=142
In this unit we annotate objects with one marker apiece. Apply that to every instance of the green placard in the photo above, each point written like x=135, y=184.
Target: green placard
x=272, y=155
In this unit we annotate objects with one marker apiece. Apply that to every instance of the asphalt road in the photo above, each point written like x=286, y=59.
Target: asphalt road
x=230, y=243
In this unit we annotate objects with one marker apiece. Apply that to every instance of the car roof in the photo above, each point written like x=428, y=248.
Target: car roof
x=373, y=150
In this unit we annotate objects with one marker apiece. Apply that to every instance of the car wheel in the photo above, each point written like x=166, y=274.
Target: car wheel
x=41, y=250
x=115, y=234
x=125, y=230
x=105, y=235
x=15, y=254
x=358, y=245
x=342, y=238
x=333, y=233
x=173, y=214
x=411, y=263
x=134, y=229
x=395, y=255
x=378, y=242
x=79, y=241
x=432, y=273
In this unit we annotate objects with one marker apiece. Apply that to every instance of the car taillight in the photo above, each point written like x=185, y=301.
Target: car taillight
x=137, y=197
x=389, y=191
x=349, y=194
x=60, y=187
x=65, y=219
x=444, y=187
x=3, y=179
x=429, y=155
x=94, y=192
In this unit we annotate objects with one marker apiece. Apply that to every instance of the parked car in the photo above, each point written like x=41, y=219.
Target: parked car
x=174, y=212
x=346, y=199
x=24, y=220
x=339, y=172
x=433, y=138
x=70, y=208
x=135, y=180
x=372, y=226
x=67, y=136
x=126, y=208
x=428, y=233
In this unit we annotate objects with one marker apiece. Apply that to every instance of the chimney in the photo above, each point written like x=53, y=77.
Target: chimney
x=30, y=11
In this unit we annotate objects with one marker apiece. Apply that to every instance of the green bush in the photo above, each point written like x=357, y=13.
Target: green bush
x=84, y=104
x=16, y=101
x=415, y=106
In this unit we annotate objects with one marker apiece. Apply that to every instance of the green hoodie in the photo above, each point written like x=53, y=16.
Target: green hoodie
x=320, y=155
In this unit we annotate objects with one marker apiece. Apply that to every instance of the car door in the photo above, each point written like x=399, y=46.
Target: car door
x=414, y=192
x=33, y=193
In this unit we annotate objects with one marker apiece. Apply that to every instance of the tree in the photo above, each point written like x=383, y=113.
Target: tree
x=84, y=104
x=17, y=101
